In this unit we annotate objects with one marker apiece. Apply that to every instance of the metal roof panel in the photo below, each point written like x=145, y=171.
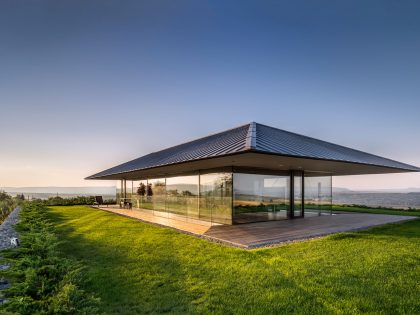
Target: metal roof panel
x=253, y=137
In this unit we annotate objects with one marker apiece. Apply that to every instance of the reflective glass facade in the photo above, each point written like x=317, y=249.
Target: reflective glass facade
x=298, y=210
x=216, y=198
x=182, y=197
x=318, y=194
x=204, y=197
x=119, y=190
x=139, y=196
x=260, y=197
x=230, y=197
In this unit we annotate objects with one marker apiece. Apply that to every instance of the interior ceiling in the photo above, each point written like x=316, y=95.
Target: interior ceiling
x=259, y=160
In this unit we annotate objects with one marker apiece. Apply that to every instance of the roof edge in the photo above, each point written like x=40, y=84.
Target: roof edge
x=411, y=169
x=248, y=143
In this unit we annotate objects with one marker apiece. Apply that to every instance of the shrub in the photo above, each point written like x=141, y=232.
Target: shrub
x=43, y=281
x=7, y=204
x=74, y=201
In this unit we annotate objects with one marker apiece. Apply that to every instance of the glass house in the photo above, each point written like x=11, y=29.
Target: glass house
x=251, y=173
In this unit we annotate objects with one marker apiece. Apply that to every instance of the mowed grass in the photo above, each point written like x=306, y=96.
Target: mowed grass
x=409, y=212
x=140, y=268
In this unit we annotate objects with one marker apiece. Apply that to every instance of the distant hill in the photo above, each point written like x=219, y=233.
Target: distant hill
x=107, y=190
x=396, y=190
x=341, y=190
x=110, y=190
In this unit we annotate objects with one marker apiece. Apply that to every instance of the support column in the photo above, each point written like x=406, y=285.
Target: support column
x=125, y=189
x=199, y=195
x=291, y=212
x=121, y=196
x=303, y=194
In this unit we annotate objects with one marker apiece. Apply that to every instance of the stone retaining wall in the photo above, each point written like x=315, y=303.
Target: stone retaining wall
x=6, y=229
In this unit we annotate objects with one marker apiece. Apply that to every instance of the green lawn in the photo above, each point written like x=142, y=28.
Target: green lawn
x=139, y=268
x=362, y=209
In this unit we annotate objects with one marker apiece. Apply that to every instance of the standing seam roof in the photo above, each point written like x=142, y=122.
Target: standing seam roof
x=253, y=137
x=277, y=141
x=219, y=144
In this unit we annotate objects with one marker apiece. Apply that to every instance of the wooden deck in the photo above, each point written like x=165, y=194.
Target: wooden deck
x=267, y=233
x=261, y=234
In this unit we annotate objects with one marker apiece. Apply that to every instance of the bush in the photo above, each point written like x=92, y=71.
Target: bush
x=74, y=201
x=43, y=281
x=59, y=201
x=7, y=204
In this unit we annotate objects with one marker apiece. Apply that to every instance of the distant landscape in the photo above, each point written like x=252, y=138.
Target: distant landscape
x=107, y=192
x=393, y=198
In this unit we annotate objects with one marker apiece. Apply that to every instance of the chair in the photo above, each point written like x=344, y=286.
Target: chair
x=99, y=201
x=126, y=203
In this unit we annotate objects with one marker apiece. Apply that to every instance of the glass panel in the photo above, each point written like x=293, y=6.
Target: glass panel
x=139, y=197
x=260, y=197
x=318, y=195
x=216, y=198
x=156, y=195
x=182, y=197
x=119, y=191
x=298, y=210
x=129, y=188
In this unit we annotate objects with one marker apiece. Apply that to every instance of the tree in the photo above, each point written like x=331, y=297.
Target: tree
x=149, y=190
x=4, y=196
x=187, y=193
x=141, y=190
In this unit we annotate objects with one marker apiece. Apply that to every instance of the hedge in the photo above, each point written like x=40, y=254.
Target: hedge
x=43, y=280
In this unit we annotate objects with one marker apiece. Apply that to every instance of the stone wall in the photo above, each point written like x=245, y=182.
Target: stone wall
x=6, y=229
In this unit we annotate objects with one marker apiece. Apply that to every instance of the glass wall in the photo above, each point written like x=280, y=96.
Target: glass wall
x=139, y=196
x=216, y=198
x=260, y=197
x=156, y=193
x=318, y=194
x=226, y=198
x=297, y=190
x=182, y=197
x=128, y=189
x=119, y=188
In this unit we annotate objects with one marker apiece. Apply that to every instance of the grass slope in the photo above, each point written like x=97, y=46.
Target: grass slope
x=139, y=268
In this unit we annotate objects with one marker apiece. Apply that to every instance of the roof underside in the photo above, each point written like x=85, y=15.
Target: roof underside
x=256, y=146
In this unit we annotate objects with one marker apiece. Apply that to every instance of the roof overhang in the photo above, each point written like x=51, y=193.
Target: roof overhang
x=257, y=160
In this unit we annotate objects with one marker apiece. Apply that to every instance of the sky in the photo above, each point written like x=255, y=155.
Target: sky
x=86, y=85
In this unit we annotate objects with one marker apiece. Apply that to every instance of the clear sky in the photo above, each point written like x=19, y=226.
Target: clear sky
x=85, y=85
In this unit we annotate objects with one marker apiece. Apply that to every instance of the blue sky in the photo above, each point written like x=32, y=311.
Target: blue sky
x=85, y=85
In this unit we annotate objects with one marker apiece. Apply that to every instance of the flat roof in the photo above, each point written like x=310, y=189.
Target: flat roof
x=255, y=146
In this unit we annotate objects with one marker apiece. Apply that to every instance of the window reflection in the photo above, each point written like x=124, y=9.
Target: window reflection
x=209, y=197
x=297, y=190
x=182, y=196
x=179, y=197
x=119, y=188
x=260, y=197
x=216, y=198
x=156, y=196
x=318, y=194
x=139, y=196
